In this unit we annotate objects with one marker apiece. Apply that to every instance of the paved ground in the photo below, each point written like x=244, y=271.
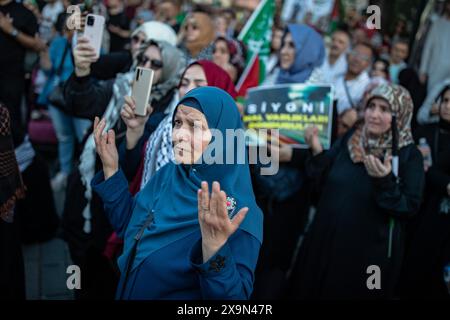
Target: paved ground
x=45, y=266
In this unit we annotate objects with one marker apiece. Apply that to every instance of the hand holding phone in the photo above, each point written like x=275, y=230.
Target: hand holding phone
x=84, y=55
x=134, y=122
x=142, y=86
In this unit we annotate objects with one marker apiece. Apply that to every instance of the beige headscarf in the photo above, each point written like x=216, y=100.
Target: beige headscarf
x=400, y=103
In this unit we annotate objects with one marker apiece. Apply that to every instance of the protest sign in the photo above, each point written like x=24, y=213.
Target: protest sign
x=291, y=108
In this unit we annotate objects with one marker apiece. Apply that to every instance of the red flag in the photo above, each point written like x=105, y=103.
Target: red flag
x=249, y=78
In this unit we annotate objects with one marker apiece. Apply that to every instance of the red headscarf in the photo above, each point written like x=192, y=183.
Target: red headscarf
x=216, y=76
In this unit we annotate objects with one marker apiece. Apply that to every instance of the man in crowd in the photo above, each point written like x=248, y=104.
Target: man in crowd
x=399, y=53
x=435, y=64
x=335, y=64
x=350, y=88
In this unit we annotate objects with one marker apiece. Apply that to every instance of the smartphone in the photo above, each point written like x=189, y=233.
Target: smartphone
x=142, y=86
x=93, y=30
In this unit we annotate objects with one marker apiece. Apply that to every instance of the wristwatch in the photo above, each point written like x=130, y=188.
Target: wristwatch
x=14, y=33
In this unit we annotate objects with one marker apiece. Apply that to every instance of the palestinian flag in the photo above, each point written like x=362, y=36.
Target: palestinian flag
x=256, y=35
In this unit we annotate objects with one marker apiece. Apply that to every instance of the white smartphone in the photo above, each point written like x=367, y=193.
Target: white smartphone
x=142, y=86
x=93, y=30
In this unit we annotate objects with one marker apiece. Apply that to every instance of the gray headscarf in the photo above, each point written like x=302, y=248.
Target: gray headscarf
x=174, y=64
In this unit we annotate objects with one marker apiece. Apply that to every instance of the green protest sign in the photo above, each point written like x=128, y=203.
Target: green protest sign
x=290, y=108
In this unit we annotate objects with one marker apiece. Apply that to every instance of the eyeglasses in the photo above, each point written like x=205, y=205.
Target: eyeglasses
x=360, y=56
x=154, y=63
x=137, y=39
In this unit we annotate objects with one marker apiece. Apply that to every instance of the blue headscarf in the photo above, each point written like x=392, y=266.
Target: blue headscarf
x=172, y=193
x=309, y=54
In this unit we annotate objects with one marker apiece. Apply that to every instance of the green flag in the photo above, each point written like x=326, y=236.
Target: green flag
x=257, y=35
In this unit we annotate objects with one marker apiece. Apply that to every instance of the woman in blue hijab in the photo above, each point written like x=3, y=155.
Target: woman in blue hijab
x=308, y=53
x=179, y=242
x=301, y=54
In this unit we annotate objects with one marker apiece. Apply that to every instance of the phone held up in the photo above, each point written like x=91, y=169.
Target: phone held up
x=93, y=31
x=142, y=85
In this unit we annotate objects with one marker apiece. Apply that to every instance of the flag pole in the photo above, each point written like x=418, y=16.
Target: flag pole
x=395, y=167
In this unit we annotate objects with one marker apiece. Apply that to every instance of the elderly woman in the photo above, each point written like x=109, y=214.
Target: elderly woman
x=363, y=204
x=158, y=146
x=85, y=226
x=180, y=243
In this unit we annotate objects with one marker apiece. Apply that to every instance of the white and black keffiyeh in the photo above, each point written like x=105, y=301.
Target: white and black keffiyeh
x=121, y=88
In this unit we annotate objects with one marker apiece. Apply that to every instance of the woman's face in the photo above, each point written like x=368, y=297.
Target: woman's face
x=136, y=41
x=377, y=117
x=221, y=55
x=444, y=110
x=221, y=25
x=192, y=30
x=190, y=135
x=152, y=59
x=277, y=35
x=379, y=70
x=287, y=53
x=194, y=77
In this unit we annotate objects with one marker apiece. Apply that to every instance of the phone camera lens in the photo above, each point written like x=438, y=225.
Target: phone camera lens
x=90, y=21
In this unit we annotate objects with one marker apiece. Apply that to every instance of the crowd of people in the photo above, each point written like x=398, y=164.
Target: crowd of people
x=143, y=219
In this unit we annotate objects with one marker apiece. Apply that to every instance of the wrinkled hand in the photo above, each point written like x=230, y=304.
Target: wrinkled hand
x=134, y=122
x=6, y=23
x=312, y=139
x=84, y=55
x=215, y=225
x=377, y=169
x=105, y=145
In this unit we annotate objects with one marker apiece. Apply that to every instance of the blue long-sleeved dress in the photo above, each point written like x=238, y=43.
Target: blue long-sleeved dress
x=177, y=271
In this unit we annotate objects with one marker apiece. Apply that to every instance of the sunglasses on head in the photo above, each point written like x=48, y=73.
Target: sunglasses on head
x=154, y=63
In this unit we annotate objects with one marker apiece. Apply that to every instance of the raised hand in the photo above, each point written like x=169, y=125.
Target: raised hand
x=105, y=145
x=377, y=169
x=215, y=225
x=312, y=139
x=135, y=123
x=84, y=55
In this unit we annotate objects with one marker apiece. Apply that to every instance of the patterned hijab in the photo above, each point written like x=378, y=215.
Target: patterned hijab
x=400, y=103
x=11, y=184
